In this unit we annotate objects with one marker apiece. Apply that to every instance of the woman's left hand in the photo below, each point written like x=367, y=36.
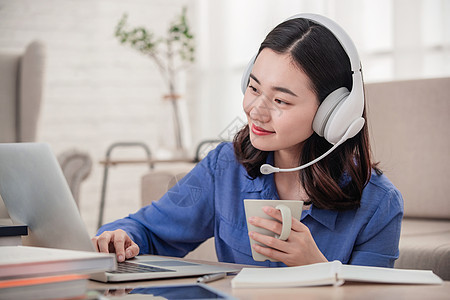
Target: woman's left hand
x=299, y=249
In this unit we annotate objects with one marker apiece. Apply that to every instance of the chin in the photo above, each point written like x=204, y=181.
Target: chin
x=258, y=143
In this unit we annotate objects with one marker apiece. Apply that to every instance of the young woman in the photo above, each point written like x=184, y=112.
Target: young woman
x=354, y=214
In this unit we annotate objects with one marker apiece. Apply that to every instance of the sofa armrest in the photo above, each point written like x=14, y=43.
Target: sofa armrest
x=425, y=245
x=158, y=181
x=76, y=166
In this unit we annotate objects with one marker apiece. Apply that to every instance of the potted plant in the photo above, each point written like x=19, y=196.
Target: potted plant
x=171, y=53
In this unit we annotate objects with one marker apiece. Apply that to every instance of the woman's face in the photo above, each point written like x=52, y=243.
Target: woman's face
x=279, y=103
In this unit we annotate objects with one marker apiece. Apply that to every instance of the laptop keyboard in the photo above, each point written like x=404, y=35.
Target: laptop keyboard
x=126, y=267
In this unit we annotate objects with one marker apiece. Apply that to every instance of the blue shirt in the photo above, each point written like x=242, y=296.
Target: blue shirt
x=209, y=201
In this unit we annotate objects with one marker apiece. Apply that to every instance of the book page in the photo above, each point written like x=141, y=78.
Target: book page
x=387, y=275
x=309, y=275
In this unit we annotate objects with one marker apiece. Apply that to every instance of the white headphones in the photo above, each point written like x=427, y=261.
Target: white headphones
x=339, y=116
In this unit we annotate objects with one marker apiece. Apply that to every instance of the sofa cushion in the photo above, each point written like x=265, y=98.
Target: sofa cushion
x=410, y=127
x=425, y=245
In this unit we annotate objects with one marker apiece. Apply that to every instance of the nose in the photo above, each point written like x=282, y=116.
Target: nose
x=259, y=109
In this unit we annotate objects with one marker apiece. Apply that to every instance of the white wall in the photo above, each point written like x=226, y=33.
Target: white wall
x=97, y=91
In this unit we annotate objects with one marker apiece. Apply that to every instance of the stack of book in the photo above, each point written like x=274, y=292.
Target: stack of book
x=10, y=233
x=46, y=273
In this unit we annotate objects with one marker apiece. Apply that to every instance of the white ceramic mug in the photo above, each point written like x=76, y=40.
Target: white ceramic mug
x=289, y=209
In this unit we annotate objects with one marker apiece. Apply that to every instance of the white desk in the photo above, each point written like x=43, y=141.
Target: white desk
x=346, y=291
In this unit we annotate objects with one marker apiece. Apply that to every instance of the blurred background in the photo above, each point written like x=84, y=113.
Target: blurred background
x=97, y=91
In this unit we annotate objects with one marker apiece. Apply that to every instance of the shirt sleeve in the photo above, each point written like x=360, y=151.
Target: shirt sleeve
x=377, y=243
x=181, y=220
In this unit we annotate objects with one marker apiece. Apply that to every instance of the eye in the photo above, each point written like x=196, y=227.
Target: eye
x=253, y=89
x=278, y=101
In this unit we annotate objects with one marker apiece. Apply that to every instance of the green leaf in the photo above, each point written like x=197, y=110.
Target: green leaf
x=179, y=40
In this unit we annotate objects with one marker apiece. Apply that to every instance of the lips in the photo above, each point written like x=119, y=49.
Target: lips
x=260, y=131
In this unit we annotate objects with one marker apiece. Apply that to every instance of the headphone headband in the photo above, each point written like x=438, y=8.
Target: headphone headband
x=343, y=38
x=340, y=34
x=342, y=108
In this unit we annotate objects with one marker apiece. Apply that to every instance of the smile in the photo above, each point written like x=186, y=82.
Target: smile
x=260, y=131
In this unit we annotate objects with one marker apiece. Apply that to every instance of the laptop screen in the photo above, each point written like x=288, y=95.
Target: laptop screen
x=36, y=193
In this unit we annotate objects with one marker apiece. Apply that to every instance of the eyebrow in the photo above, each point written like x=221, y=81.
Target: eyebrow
x=276, y=88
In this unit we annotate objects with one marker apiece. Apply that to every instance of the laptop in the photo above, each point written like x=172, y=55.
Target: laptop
x=36, y=193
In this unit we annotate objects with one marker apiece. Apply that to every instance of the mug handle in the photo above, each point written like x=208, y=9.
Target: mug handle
x=287, y=222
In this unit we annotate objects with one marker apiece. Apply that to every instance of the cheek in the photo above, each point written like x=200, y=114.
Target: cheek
x=298, y=123
x=247, y=103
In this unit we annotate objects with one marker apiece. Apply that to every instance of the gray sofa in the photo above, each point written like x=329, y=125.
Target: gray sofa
x=21, y=90
x=410, y=127
x=21, y=99
x=409, y=124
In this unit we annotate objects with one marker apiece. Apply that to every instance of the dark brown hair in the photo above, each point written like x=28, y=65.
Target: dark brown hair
x=337, y=181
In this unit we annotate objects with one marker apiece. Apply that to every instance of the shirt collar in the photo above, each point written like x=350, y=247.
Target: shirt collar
x=264, y=184
x=324, y=216
x=253, y=185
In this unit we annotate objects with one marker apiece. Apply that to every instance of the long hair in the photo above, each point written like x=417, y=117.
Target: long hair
x=337, y=181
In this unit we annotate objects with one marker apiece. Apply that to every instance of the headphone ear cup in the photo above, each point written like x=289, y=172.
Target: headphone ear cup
x=326, y=109
x=246, y=75
x=347, y=114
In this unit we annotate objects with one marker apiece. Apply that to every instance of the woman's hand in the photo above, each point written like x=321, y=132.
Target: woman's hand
x=116, y=241
x=299, y=249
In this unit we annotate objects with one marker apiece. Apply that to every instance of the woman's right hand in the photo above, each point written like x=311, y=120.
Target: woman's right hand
x=118, y=242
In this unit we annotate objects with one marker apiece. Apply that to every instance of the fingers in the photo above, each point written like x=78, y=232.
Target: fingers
x=269, y=241
x=103, y=240
x=271, y=225
x=95, y=243
x=276, y=213
x=132, y=250
x=116, y=241
x=273, y=212
x=119, y=244
x=270, y=252
x=299, y=249
x=299, y=226
x=273, y=247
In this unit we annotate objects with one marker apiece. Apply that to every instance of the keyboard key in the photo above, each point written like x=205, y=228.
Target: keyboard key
x=126, y=267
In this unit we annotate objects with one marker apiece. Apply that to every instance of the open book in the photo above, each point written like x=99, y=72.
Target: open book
x=329, y=273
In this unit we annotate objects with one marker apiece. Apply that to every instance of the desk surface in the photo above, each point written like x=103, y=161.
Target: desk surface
x=349, y=290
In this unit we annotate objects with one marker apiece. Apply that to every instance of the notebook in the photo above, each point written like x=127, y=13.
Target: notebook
x=36, y=193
